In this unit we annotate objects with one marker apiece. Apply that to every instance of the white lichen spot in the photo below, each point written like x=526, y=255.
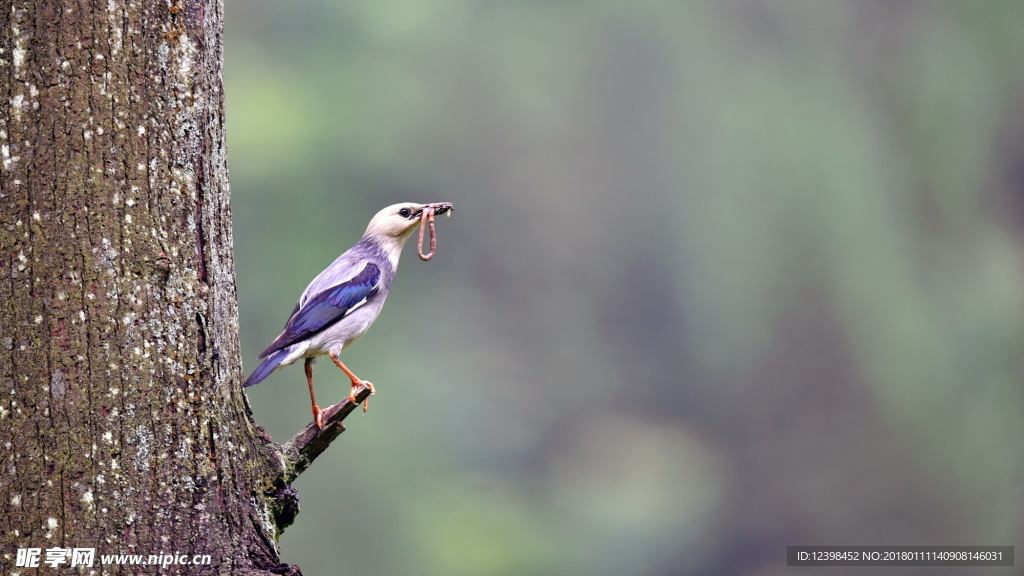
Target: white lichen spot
x=87, y=134
x=128, y=218
x=115, y=25
x=65, y=65
x=129, y=202
x=114, y=392
x=19, y=56
x=51, y=523
x=108, y=437
x=81, y=315
x=16, y=104
x=144, y=438
x=33, y=91
x=37, y=217
x=87, y=498
x=16, y=500
x=142, y=129
x=57, y=386
x=99, y=131
x=5, y=153
x=39, y=319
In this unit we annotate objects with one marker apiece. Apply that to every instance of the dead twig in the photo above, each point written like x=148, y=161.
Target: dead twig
x=310, y=442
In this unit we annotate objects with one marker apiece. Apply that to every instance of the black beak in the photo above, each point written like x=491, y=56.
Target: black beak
x=439, y=207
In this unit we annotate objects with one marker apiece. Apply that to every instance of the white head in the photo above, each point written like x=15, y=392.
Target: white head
x=396, y=223
x=392, y=226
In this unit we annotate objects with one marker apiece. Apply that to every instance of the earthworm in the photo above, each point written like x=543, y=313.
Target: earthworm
x=427, y=219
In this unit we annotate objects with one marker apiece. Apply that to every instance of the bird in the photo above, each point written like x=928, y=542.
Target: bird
x=344, y=300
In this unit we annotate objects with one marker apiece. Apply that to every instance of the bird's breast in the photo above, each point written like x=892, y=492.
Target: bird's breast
x=346, y=331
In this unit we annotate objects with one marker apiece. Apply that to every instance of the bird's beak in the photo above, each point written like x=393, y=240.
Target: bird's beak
x=439, y=207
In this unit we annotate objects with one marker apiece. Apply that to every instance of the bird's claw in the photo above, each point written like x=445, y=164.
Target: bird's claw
x=352, y=393
x=318, y=417
x=366, y=403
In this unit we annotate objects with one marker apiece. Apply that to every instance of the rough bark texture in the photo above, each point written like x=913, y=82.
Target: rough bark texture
x=122, y=421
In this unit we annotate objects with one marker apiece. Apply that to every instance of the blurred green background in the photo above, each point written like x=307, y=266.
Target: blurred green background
x=723, y=277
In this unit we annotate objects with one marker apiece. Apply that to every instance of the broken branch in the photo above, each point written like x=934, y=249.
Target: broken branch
x=310, y=442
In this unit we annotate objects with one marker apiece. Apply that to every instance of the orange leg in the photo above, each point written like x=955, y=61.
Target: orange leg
x=356, y=382
x=317, y=413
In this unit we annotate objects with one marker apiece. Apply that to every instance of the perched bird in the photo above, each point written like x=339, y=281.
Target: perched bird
x=341, y=303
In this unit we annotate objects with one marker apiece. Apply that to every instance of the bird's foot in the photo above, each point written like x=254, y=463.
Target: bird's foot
x=318, y=416
x=352, y=393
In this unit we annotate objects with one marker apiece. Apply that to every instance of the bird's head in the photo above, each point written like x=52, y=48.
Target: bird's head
x=398, y=221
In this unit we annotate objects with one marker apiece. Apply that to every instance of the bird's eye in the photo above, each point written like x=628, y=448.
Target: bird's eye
x=404, y=212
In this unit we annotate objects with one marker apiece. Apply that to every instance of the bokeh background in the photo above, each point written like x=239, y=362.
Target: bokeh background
x=723, y=277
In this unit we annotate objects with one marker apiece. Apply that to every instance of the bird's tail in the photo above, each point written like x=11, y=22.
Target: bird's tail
x=269, y=364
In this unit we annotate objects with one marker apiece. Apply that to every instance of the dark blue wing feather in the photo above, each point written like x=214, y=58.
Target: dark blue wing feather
x=327, y=307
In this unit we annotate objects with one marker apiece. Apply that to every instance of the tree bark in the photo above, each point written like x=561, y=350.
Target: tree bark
x=123, y=424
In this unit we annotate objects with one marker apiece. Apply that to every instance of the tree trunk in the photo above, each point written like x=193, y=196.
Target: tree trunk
x=123, y=424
